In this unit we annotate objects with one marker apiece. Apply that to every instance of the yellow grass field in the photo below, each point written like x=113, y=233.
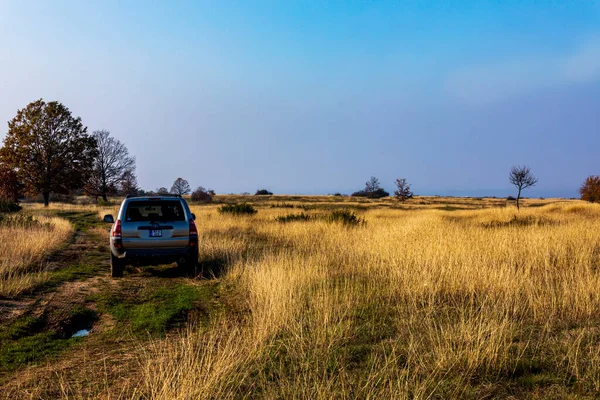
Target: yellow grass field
x=419, y=303
x=24, y=244
x=436, y=298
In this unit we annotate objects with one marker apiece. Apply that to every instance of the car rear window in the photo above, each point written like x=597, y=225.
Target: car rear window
x=154, y=211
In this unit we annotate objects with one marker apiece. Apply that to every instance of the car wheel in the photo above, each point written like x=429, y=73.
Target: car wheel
x=116, y=266
x=190, y=267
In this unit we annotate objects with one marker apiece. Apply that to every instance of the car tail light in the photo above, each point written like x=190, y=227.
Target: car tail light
x=117, y=232
x=193, y=229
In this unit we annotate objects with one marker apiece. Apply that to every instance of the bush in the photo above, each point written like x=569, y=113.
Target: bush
x=510, y=198
x=345, y=217
x=263, y=192
x=376, y=194
x=202, y=195
x=7, y=206
x=294, y=218
x=282, y=205
x=237, y=209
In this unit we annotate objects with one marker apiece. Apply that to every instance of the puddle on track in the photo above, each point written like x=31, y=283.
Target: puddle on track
x=81, y=333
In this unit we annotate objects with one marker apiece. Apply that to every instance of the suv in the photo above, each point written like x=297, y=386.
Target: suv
x=152, y=231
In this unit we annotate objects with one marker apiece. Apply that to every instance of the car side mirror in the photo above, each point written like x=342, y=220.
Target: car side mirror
x=109, y=218
x=193, y=216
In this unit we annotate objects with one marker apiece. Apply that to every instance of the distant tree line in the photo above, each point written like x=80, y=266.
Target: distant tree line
x=49, y=151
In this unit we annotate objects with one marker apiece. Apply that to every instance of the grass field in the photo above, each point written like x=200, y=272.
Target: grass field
x=24, y=245
x=438, y=298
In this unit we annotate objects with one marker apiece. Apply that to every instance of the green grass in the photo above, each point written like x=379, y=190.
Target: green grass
x=82, y=221
x=75, y=272
x=23, y=342
x=30, y=349
x=155, y=309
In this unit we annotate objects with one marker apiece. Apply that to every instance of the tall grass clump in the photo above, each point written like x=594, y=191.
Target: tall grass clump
x=302, y=217
x=345, y=217
x=237, y=209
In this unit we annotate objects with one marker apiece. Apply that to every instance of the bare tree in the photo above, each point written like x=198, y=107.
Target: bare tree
x=521, y=178
x=402, y=192
x=111, y=166
x=180, y=187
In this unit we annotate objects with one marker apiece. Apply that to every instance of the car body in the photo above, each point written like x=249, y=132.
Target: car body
x=153, y=230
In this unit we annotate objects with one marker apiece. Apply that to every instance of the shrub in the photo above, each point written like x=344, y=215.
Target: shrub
x=345, y=217
x=294, y=218
x=7, y=206
x=282, y=205
x=375, y=194
x=237, y=209
x=263, y=192
x=202, y=195
x=510, y=198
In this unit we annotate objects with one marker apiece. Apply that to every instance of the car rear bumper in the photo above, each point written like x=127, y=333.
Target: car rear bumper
x=155, y=256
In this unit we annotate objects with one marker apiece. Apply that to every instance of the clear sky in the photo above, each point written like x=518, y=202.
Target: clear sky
x=317, y=96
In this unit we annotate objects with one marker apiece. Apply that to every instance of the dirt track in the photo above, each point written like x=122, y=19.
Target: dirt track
x=82, y=295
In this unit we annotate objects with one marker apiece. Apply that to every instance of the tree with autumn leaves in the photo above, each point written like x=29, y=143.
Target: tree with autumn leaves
x=590, y=190
x=48, y=149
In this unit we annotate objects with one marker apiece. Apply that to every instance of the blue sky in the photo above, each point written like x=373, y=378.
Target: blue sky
x=316, y=97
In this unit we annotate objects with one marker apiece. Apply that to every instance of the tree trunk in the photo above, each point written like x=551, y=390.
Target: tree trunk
x=46, y=199
x=518, y=198
x=104, y=197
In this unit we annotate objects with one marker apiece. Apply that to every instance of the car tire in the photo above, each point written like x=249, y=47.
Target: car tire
x=116, y=266
x=190, y=267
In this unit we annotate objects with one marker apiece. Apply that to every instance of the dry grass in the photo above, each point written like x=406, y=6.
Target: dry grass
x=420, y=304
x=24, y=246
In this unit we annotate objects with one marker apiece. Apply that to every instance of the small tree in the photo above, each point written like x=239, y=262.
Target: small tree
x=590, y=190
x=111, y=167
x=162, y=191
x=49, y=149
x=180, y=187
x=202, y=195
x=128, y=184
x=521, y=178
x=402, y=192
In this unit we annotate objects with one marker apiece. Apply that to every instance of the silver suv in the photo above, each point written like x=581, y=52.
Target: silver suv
x=152, y=231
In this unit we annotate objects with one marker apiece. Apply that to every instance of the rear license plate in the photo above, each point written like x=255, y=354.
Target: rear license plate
x=155, y=232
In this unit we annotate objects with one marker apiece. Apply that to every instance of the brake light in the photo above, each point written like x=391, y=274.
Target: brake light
x=117, y=231
x=193, y=229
